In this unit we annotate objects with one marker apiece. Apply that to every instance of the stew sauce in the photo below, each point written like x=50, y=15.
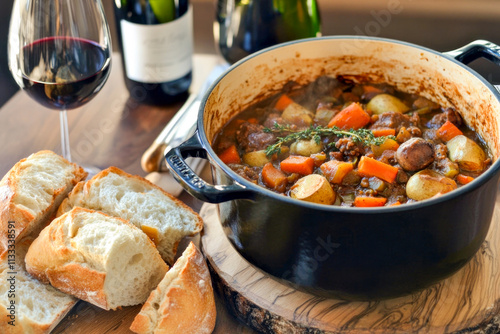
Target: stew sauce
x=338, y=142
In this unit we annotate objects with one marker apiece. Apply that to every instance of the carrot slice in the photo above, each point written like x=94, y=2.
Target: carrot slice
x=368, y=201
x=335, y=170
x=298, y=164
x=238, y=122
x=274, y=178
x=383, y=132
x=371, y=167
x=367, y=89
x=351, y=117
x=448, y=131
x=283, y=102
x=230, y=155
x=464, y=179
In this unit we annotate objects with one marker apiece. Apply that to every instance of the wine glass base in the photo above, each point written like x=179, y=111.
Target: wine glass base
x=91, y=171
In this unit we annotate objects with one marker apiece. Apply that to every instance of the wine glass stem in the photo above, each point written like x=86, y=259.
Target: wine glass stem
x=63, y=120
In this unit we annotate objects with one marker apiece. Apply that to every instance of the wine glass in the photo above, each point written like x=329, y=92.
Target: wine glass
x=60, y=53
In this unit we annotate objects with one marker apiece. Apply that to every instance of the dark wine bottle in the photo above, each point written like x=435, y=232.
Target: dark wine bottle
x=156, y=42
x=242, y=27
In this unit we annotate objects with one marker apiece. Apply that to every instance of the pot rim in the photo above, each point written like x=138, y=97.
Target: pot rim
x=478, y=182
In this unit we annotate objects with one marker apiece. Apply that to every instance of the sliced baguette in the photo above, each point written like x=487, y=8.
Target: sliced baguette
x=37, y=307
x=98, y=258
x=31, y=192
x=183, y=302
x=160, y=215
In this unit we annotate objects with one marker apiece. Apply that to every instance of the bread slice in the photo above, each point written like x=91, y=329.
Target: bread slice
x=37, y=307
x=163, y=217
x=31, y=192
x=98, y=258
x=183, y=302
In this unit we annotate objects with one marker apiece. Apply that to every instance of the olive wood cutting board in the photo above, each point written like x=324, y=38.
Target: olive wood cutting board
x=466, y=302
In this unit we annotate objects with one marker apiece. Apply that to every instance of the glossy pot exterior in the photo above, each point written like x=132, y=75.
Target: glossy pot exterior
x=353, y=253
x=369, y=254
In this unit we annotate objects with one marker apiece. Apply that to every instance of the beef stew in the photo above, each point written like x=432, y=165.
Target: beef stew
x=343, y=141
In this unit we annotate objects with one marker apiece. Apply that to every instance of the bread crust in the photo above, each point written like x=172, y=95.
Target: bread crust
x=26, y=223
x=51, y=260
x=82, y=189
x=24, y=326
x=23, y=323
x=66, y=205
x=184, y=304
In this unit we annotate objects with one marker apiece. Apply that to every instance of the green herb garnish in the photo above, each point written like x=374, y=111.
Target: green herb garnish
x=363, y=136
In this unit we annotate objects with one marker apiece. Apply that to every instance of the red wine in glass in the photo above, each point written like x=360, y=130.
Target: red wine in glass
x=64, y=76
x=60, y=53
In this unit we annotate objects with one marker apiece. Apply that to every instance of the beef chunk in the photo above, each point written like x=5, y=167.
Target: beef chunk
x=442, y=163
x=393, y=120
x=273, y=118
x=251, y=137
x=249, y=173
x=447, y=115
x=348, y=147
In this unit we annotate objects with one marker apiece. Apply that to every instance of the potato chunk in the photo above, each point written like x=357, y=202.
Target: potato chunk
x=388, y=145
x=428, y=183
x=256, y=158
x=384, y=103
x=313, y=188
x=306, y=147
x=464, y=151
x=297, y=114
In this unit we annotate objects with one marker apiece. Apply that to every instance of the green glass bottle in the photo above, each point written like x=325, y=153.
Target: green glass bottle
x=156, y=39
x=242, y=27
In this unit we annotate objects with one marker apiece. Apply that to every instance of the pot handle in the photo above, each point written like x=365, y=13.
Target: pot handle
x=477, y=49
x=192, y=183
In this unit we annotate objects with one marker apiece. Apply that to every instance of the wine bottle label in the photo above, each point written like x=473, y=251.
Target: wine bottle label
x=160, y=52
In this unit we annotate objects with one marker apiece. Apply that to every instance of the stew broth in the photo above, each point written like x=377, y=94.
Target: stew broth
x=339, y=142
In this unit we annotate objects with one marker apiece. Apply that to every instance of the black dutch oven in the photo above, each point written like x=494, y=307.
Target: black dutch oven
x=353, y=253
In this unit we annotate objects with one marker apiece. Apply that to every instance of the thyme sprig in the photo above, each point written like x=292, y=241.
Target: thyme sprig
x=364, y=136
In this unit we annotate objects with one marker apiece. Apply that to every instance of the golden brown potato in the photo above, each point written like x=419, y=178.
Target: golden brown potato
x=256, y=158
x=464, y=151
x=428, y=183
x=313, y=188
x=384, y=103
x=388, y=145
x=294, y=113
x=306, y=147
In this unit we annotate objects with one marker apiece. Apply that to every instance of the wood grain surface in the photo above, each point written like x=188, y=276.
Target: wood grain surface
x=466, y=302
x=115, y=130
x=112, y=129
x=86, y=318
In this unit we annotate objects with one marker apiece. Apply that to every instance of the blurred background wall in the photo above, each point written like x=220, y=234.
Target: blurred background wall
x=7, y=85
x=442, y=25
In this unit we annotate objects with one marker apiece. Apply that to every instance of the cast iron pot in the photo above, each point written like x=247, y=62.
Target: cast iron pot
x=353, y=253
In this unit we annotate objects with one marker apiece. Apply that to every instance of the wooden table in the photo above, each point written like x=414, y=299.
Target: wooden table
x=110, y=130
